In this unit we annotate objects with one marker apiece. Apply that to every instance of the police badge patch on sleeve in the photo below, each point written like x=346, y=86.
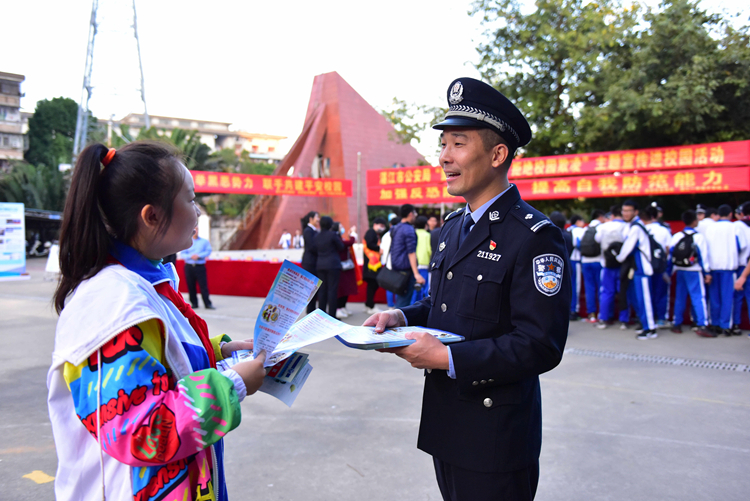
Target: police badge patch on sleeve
x=548, y=273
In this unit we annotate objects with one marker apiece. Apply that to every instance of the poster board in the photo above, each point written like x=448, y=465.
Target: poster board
x=12, y=242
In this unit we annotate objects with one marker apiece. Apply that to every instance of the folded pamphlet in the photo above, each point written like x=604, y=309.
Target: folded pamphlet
x=365, y=338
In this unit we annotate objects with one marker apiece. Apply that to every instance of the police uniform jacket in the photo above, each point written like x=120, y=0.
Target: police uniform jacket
x=506, y=289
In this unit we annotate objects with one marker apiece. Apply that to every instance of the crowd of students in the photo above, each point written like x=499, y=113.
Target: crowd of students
x=626, y=260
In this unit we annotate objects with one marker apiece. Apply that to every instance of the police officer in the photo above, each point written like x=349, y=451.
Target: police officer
x=499, y=278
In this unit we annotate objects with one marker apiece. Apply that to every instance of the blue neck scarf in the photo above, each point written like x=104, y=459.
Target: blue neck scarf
x=136, y=262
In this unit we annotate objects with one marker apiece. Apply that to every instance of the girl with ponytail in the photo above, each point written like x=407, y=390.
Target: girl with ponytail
x=137, y=406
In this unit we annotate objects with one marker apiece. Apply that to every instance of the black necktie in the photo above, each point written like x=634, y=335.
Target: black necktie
x=465, y=227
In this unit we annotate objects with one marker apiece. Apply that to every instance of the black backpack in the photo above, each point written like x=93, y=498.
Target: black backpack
x=589, y=246
x=685, y=253
x=610, y=255
x=658, y=257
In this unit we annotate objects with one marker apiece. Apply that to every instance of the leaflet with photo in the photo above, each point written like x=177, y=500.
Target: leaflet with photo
x=290, y=293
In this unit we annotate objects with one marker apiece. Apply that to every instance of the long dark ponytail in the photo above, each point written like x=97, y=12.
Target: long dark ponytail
x=105, y=204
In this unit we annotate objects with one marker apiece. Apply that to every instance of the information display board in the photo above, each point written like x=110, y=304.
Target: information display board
x=12, y=242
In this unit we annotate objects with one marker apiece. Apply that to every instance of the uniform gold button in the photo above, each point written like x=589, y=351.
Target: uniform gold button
x=474, y=383
x=487, y=402
x=449, y=276
x=483, y=381
x=443, y=307
x=433, y=265
x=479, y=277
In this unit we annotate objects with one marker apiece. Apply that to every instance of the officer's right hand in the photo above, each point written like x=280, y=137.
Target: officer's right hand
x=252, y=372
x=389, y=318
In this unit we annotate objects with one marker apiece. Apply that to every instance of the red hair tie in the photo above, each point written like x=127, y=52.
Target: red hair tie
x=108, y=157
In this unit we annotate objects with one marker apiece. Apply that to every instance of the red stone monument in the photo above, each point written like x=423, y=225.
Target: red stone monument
x=338, y=125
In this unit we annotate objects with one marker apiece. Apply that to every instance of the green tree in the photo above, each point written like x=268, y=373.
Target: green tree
x=594, y=76
x=683, y=79
x=187, y=141
x=409, y=119
x=52, y=129
x=546, y=61
x=38, y=187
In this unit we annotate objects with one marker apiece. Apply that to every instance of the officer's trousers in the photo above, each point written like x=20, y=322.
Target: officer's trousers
x=722, y=297
x=610, y=286
x=575, y=278
x=591, y=281
x=458, y=484
x=690, y=283
x=641, y=290
x=738, y=297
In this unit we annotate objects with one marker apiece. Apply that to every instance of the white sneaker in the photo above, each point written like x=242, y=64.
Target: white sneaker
x=341, y=313
x=373, y=310
x=348, y=311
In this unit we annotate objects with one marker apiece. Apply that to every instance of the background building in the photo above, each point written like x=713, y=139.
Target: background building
x=11, y=126
x=215, y=135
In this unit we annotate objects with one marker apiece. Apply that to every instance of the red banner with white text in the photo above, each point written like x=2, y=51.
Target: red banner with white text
x=696, y=156
x=702, y=168
x=252, y=184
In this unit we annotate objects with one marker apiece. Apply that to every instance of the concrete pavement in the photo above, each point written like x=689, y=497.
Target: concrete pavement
x=663, y=419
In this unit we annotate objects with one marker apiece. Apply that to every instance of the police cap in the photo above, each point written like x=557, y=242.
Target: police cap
x=473, y=103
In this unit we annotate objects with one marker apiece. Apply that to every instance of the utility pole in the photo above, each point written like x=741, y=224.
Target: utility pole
x=360, y=228
x=140, y=65
x=82, y=120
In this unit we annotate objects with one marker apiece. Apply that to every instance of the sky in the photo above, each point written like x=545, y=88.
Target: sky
x=248, y=62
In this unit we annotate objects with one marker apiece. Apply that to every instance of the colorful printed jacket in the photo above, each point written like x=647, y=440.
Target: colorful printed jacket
x=163, y=411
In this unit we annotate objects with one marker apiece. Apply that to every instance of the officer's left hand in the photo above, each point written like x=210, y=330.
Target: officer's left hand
x=426, y=353
x=228, y=348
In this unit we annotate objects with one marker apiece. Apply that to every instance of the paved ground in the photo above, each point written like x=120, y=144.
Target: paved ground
x=623, y=419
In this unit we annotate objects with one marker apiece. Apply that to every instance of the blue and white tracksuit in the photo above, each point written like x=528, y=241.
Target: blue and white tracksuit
x=637, y=244
x=690, y=281
x=607, y=234
x=575, y=267
x=659, y=286
x=591, y=269
x=743, y=259
x=725, y=243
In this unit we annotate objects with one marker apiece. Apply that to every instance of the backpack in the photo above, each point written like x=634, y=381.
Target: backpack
x=658, y=257
x=610, y=255
x=685, y=253
x=589, y=246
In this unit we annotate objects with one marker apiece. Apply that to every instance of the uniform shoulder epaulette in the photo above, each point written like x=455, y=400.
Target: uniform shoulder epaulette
x=454, y=213
x=529, y=216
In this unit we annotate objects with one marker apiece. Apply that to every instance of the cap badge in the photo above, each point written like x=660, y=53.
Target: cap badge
x=529, y=216
x=492, y=245
x=441, y=246
x=494, y=215
x=456, y=94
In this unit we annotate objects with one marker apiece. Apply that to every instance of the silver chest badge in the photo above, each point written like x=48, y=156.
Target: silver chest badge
x=441, y=246
x=494, y=215
x=456, y=94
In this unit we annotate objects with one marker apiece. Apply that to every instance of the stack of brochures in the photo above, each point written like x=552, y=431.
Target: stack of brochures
x=278, y=332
